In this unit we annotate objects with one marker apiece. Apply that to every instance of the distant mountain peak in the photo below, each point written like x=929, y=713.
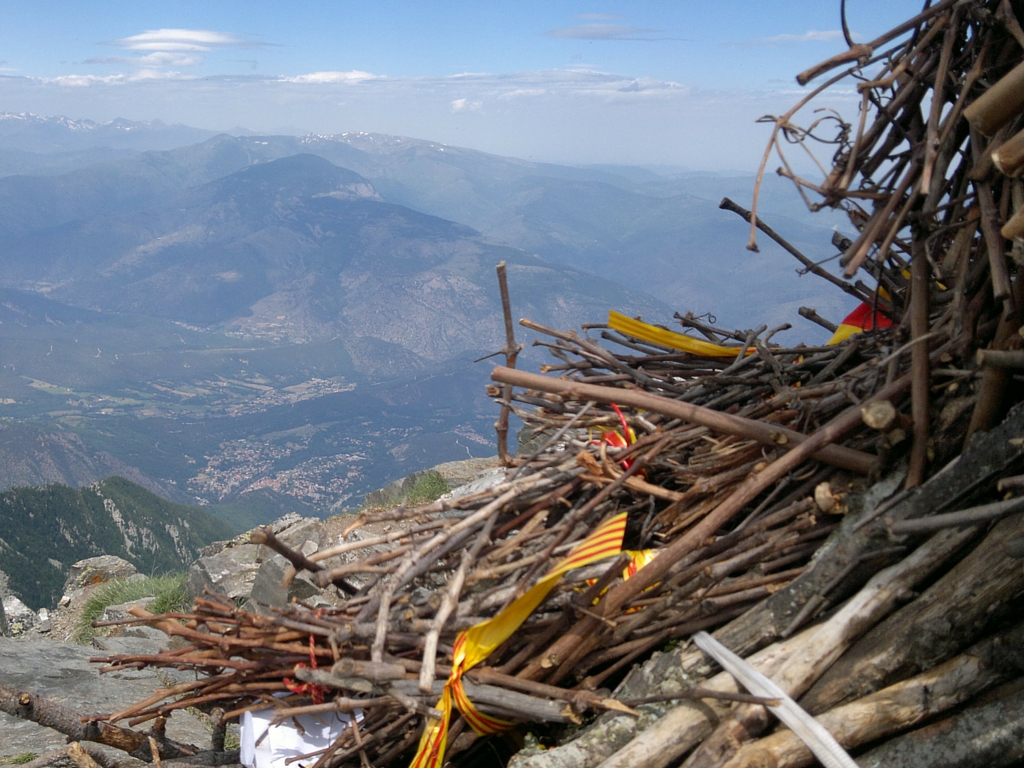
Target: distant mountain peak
x=299, y=176
x=30, y=132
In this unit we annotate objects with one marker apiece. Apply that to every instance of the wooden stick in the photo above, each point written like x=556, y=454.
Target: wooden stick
x=49, y=713
x=865, y=49
x=511, y=353
x=582, y=638
x=920, y=390
x=448, y=604
x=999, y=104
x=1008, y=157
x=774, y=435
x=989, y=736
x=980, y=514
x=660, y=745
x=729, y=205
x=892, y=709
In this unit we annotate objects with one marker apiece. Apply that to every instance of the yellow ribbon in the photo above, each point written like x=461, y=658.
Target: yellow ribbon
x=666, y=338
x=478, y=642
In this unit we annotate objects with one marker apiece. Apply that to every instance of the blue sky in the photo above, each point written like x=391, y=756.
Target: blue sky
x=673, y=83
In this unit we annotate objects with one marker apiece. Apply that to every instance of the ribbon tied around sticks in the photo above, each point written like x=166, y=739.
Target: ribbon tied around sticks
x=475, y=644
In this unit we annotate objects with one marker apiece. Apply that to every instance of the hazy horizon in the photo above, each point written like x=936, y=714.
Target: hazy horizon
x=670, y=84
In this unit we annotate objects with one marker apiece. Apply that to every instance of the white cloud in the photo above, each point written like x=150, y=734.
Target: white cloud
x=811, y=36
x=524, y=92
x=82, y=81
x=181, y=40
x=323, y=78
x=169, y=59
x=155, y=59
x=162, y=48
x=159, y=74
x=603, y=31
x=465, y=105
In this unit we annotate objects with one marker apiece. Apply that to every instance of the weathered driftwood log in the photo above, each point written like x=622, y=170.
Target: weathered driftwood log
x=681, y=728
x=897, y=707
x=845, y=561
x=948, y=616
x=825, y=644
x=990, y=736
x=999, y=104
x=664, y=673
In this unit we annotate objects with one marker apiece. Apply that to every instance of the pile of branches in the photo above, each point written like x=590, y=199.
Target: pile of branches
x=842, y=516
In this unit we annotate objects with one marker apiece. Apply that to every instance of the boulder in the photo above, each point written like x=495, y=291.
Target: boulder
x=231, y=568
x=121, y=610
x=96, y=570
x=267, y=589
x=20, y=618
x=63, y=672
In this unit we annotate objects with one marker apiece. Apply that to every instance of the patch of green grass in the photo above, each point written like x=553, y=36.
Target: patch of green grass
x=24, y=757
x=168, y=591
x=427, y=488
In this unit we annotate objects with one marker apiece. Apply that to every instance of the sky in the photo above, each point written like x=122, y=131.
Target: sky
x=655, y=82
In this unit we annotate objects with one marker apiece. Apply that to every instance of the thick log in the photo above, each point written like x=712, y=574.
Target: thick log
x=999, y=104
x=991, y=736
x=896, y=708
x=500, y=701
x=72, y=756
x=769, y=434
x=50, y=714
x=1008, y=157
x=826, y=644
x=944, y=619
x=844, y=562
x=614, y=731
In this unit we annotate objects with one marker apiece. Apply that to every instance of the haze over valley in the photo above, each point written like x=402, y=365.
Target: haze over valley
x=277, y=320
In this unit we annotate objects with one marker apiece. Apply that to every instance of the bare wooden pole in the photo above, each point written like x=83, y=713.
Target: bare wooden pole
x=511, y=353
x=920, y=368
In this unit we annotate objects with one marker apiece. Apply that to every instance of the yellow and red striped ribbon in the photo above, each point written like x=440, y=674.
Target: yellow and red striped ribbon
x=478, y=642
x=863, y=318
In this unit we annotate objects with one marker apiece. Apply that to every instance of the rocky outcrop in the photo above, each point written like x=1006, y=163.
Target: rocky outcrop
x=19, y=617
x=456, y=474
x=250, y=572
x=96, y=570
x=63, y=672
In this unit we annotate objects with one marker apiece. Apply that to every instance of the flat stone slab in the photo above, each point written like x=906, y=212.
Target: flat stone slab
x=62, y=672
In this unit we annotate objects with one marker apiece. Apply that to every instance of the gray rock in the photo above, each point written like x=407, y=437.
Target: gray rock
x=20, y=618
x=96, y=570
x=267, y=589
x=121, y=610
x=229, y=572
x=484, y=481
x=44, y=620
x=3, y=620
x=146, y=633
x=231, y=568
x=63, y=673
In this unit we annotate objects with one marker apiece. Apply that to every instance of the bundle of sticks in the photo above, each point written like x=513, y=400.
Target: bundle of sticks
x=790, y=499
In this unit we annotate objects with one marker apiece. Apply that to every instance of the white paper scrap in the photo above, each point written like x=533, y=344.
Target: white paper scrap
x=268, y=746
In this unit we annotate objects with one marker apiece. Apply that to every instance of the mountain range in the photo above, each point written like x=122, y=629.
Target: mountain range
x=296, y=317
x=46, y=530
